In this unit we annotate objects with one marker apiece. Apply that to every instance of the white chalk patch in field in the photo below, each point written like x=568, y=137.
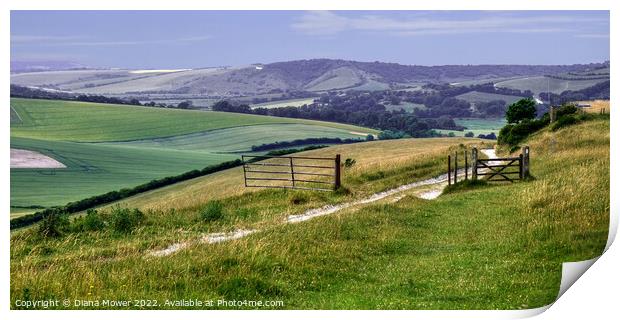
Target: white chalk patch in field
x=226, y=236
x=26, y=159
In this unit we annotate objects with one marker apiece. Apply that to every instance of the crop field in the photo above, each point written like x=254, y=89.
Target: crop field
x=475, y=96
x=463, y=250
x=477, y=126
x=284, y=103
x=95, y=169
x=15, y=118
x=93, y=122
x=596, y=106
x=238, y=139
x=541, y=83
x=108, y=147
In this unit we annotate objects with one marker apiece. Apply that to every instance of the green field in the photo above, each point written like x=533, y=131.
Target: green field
x=93, y=122
x=492, y=246
x=543, y=84
x=284, y=103
x=108, y=147
x=238, y=139
x=477, y=126
x=475, y=96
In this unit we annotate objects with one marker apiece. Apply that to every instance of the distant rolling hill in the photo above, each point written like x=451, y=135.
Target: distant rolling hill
x=314, y=75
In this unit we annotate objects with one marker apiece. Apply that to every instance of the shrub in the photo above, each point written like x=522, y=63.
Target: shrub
x=93, y=221
x=214, y=210
x=564, y=121
x=512, y=134
x=348, y=163
x=370, y=137
x=565, y=109
x=469, y=134
x=125, y=220
x=54, y=225
x=524, y=109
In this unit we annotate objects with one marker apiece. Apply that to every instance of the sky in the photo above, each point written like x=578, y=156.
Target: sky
x=192, y=39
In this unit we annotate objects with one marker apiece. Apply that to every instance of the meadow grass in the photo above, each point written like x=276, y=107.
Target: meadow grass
x=497, y=247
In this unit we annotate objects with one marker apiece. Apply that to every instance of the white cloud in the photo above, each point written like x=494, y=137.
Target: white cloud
x=329, y=23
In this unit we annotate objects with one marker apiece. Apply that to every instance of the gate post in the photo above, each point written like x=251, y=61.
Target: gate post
x=526, y=161
x=466, y=168
x=337, y=172
x=449, y=171
x=456, y=165
x=521, y=166
x=474, y=160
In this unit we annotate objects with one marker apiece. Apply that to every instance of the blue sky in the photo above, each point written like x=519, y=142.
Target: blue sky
x=189, y=39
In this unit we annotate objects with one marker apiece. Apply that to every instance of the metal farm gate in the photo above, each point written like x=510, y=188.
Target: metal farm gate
x=292, y=172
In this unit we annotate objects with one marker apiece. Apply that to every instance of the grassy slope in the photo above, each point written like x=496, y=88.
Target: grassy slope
x=88, y=122
x=495, y=247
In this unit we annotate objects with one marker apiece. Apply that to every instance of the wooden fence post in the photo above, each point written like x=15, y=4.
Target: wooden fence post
x=521, y=166
x=337, y=173
x=466, y=168
x=292, y=171
x=551, y=114
x=456, y=165
x=474, y=160
x=526, y=162
x=449, y=171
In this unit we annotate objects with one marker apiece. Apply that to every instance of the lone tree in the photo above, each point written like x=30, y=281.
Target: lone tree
x=521, y=110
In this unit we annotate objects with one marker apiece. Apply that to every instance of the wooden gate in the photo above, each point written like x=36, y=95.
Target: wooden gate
x=502, y=169
x=294, y=172
x=496, y=169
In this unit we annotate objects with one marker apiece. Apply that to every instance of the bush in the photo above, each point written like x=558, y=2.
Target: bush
x=564, y=110
x=370, y=137
x=214, y=210
x=125, y=220
x=469, y=134
x=524, y=109
x=54, y=225
x=348, y=163
x=564, y=121
x=512, y=134
x=93, y=221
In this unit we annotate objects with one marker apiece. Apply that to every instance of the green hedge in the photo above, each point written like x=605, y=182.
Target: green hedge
x=112, y=196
